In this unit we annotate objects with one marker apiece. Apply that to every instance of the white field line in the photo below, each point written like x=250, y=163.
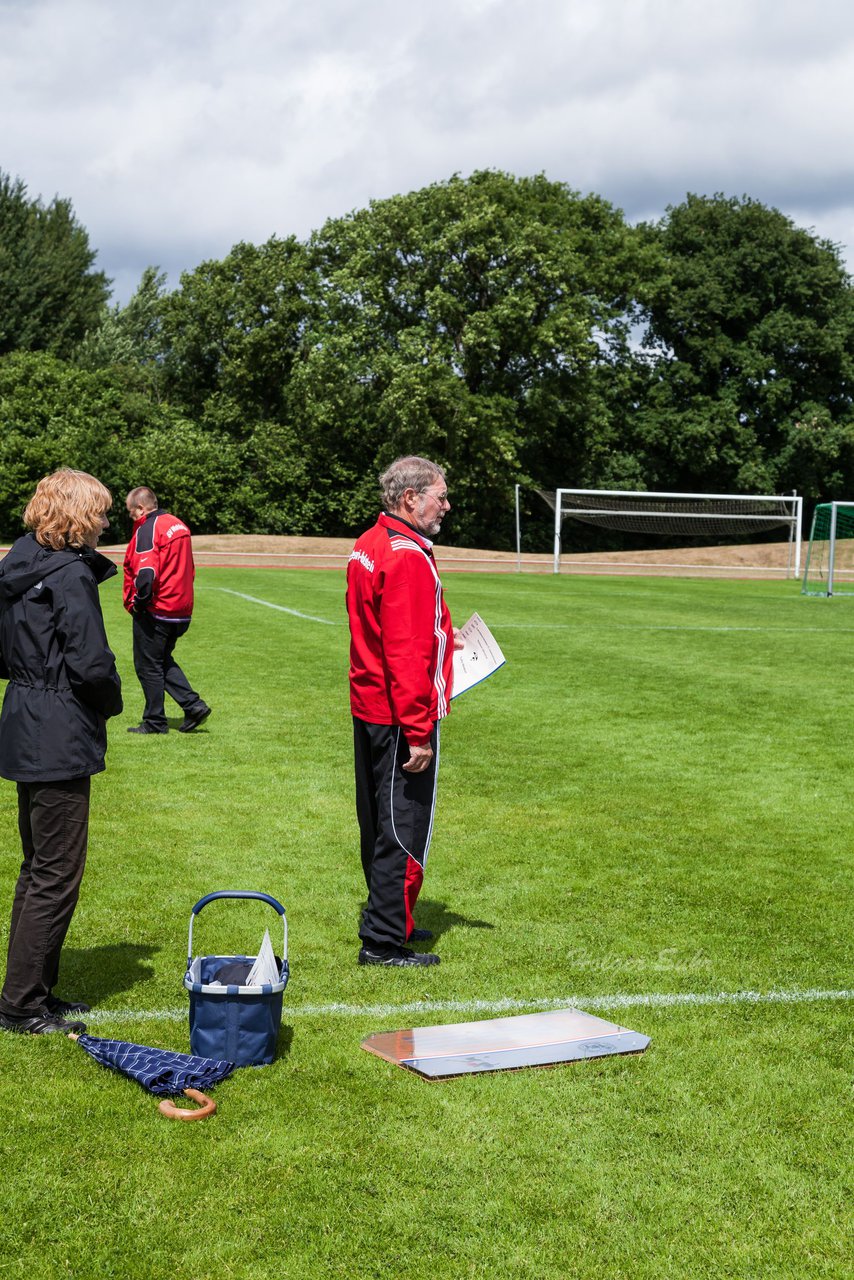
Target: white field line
x=309, y=617
x=591, y=626
x=653, y=1000
x=554, y=626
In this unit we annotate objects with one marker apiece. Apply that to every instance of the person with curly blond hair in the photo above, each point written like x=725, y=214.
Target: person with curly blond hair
x=62, y=687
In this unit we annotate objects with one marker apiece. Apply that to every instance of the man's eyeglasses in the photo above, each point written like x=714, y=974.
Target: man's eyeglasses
x=441, y=498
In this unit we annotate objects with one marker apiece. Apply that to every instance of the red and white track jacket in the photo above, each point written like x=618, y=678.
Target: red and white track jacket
x=401, y=638
x=159, y=569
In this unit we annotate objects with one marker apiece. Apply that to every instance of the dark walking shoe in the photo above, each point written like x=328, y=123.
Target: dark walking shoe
x=40, y=1024
x=396, y=957
x=61, y=1008
x=145, y=728
x=420, y=935
x=193, y=719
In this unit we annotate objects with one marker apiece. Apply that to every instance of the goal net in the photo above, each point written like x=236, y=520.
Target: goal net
x=717, y=515
x=829, y=569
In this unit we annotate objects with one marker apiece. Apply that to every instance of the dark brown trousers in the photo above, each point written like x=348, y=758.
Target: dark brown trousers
x=53, y=819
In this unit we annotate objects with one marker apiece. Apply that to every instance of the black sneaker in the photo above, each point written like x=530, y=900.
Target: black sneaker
x=420, y=935
x=40, y=1024
x=145, y=728
x=61, y=1008
x=193, y=719
x=396, y=957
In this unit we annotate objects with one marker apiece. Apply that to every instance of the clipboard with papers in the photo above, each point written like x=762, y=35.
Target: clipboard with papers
x=480, y=658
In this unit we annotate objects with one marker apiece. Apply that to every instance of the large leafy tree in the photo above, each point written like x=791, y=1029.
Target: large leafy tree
x=129, y=335
x=751, y=328
x=55, y=414
x=49, y=293
x=479, y=321
x=230, y=333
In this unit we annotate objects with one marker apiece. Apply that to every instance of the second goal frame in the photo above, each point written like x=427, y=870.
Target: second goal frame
x=793, y=503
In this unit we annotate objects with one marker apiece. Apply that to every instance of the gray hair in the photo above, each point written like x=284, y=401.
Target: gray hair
x=407, y=473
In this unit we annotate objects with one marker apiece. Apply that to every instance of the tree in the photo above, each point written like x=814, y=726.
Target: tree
x=49, y=294
x=752, y=332
x=129, y=335
x=199, y=474
x=54, y=414
x=230, y=334
x=478, y=321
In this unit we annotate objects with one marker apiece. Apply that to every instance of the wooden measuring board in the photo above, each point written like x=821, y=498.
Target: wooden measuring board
x=504, y=1044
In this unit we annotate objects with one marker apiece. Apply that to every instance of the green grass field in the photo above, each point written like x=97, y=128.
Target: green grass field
x=653, y=799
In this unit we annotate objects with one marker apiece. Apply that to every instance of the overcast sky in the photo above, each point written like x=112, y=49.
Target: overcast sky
x=178, y=127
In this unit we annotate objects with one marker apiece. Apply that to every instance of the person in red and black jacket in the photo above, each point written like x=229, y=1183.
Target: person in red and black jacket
x=401, y=670
x=158, y=591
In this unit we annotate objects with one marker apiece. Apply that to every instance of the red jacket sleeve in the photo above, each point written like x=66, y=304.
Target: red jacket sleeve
x=128, y=583
x=408, y=629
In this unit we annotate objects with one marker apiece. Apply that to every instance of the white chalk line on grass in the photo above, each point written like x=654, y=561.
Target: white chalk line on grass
x=309, y=617
x=642, y=626
x=651, y=1000
x=555, y=626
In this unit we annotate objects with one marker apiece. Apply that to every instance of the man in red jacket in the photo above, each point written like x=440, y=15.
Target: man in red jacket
x=158, y=591
x=401, y=668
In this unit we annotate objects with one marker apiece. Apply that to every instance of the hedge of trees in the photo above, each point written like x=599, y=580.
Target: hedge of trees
x=511, y=328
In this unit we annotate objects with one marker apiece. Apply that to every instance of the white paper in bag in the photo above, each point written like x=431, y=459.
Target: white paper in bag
x=264, y=969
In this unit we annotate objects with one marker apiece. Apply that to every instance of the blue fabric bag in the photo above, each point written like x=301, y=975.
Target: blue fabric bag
x=238, y=1023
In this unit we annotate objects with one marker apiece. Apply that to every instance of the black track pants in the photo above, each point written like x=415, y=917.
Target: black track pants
x=53, y=819
x=395, y=811
x=157, y=670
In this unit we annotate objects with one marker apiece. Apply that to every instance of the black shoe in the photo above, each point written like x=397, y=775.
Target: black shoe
x=145, y=728
x=396, y=957
x=420, y=935
x=61, y=1008
x=193, y=719
x=40, y=1024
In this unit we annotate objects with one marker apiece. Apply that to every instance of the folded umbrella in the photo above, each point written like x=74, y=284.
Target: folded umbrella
x=161, y=1071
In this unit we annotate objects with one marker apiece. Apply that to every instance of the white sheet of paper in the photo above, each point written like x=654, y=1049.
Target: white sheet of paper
x=264, y=969
x=480, y=658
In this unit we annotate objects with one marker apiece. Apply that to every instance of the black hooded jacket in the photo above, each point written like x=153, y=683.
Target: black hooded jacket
x=63, y=682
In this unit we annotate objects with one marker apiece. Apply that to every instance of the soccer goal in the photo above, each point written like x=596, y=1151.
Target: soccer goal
x=694, y=514
x=829, y=569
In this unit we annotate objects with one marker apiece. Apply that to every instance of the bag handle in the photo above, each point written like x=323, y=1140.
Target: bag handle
x=237, y=893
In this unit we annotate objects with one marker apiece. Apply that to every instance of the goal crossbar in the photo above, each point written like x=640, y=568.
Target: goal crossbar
x=666, y=493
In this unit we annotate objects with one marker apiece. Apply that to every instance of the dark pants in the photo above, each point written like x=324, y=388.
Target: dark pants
x=157, y=670
x=395, y=811
x=53, y=819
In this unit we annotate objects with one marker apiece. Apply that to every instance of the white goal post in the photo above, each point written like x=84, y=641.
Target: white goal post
x=664, y=513
x=829, y=569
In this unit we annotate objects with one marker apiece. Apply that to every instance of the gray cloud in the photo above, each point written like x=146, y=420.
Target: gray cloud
x=179, y=128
